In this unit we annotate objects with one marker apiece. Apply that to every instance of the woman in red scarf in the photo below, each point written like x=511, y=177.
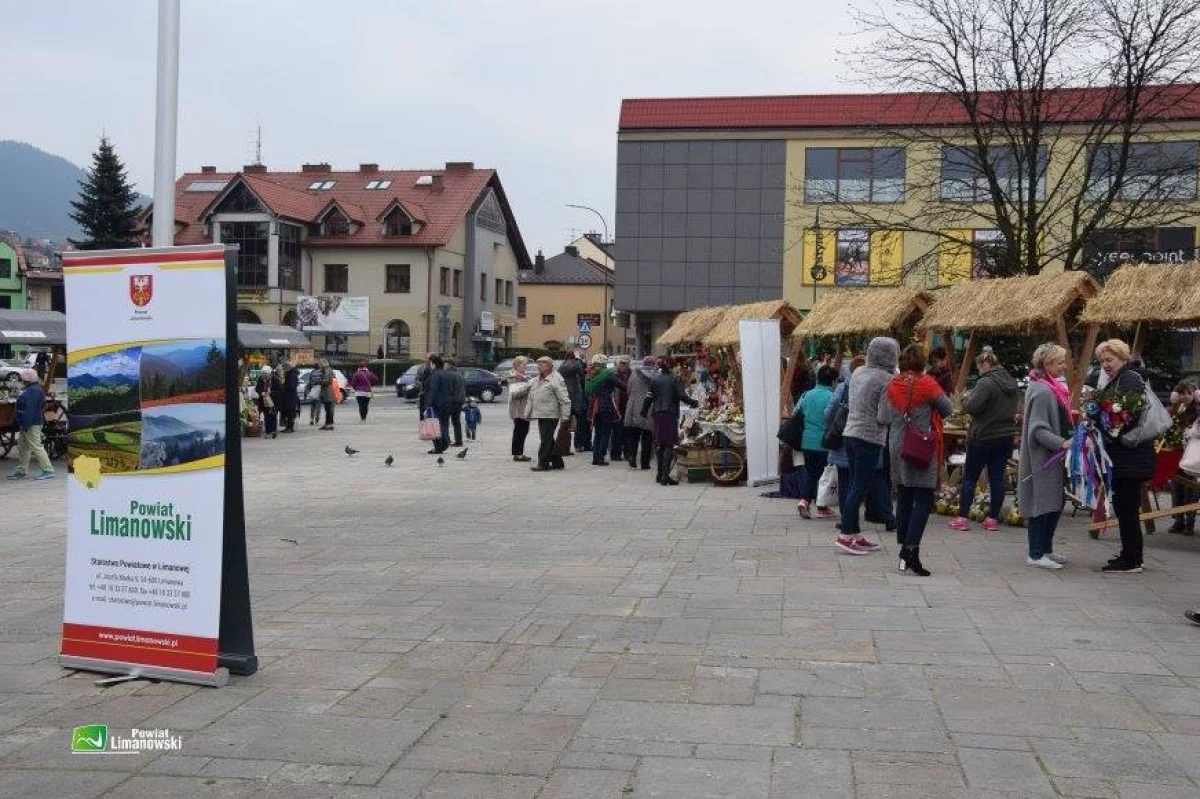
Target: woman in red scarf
x=915, y=399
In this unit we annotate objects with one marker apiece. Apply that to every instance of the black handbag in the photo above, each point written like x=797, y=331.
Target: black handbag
x=791, y=432
x=833, y=438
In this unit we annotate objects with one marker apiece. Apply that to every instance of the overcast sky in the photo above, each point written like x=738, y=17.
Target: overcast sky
x=530, y=87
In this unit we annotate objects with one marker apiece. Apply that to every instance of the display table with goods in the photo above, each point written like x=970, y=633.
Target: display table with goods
x=712, y=437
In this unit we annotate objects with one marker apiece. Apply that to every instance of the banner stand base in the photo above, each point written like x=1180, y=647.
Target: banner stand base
x=764, y=481
x=216, y=679
x=237, y=663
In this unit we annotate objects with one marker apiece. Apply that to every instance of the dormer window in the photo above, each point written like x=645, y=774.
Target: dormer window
x=336, y=223
x=398, y=223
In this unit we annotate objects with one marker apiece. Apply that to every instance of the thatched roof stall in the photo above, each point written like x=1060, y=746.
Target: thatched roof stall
x=726, y=332
x=1013, y=305
x=1166, y=296
x=856, y=312
x=692, y=326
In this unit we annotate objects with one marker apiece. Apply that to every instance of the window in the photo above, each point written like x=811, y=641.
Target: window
x=398, y=343
x=444, y=282
x=398, y=224
x=1153, y=171
x=483, y=286
x=964, y=180
x=970, y=255
x=5, y=268
x=378, y=185
x=253, y=240
x=498, y=295
x=854, y=174
x=337, y=278
x=6, y=301
x=508, y=293
x=239, y=201
x=322, y=185
x=1107, y=249
x=489, y=215
x=336, y=223
x=987, y=253
x=206, y=185
x=399, y=279
x=289, y=257
x=547, y=318
x=457, y=283
x=520, y=307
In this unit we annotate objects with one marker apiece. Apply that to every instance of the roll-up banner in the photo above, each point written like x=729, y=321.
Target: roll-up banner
x=760, y=349
x=148, y=400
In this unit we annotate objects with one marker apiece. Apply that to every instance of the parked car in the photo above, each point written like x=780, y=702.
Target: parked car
x=337, y=375
x=502, y=369
x=406, y=384
x=481, y=384
x=9, y=369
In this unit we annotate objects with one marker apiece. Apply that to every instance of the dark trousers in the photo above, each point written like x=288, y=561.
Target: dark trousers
x=814, y=466
x=913, y=506
x=1041, y=534
x=601, y=433
x=864, y=467
x=520, y=431
x=289, y=420
x=546, y=457
x=1183, y=495
x=364, y=403
x=442, y=443
x=583, y=432
x=270, y=421
x=328, y=413
x=618, y=439
x=993, y=456
x=1127, y=502
x=456, y=420
x=635, y=438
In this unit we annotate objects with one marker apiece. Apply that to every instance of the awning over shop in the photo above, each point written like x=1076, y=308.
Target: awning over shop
x=272, y=337
x=33, y=328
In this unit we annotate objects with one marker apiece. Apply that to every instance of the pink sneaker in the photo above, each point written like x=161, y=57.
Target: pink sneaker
x=850, y=545
x=959, y=523
x=991, y=525
x=826, y=513
x=863, y=543
x=802, y=509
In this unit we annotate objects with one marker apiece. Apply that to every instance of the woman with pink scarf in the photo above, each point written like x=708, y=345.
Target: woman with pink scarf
x=1046, y=432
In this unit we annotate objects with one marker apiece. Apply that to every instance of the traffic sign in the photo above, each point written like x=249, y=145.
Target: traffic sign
x=585, y=341
x=585, y=327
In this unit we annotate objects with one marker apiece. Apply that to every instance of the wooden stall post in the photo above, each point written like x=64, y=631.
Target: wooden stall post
x=1085, y=358
x=795, y=360
x=960, y=380
x=951, y=356
x=1139, y=339
x=1064, y=341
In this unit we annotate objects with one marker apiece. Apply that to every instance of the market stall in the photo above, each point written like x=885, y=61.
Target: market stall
x=44, y=330
x=260, y=344
x=1139, y=299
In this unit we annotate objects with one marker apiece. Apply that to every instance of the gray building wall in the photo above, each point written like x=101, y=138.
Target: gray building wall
x=699, y=223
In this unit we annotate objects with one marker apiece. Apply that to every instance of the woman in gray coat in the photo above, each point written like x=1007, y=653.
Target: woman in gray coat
x=637, y=427
x=1046, y=431
x=913, y=397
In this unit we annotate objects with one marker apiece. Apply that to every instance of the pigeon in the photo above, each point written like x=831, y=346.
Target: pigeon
x=350, y=451
x=462, y=455
x=291, y=541
x=441, y=461
x=389, y=460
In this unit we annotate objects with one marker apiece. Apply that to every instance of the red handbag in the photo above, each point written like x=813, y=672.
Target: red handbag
x=917, y=448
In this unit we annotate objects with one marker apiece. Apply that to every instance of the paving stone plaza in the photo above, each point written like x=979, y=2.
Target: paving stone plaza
x=477, y=630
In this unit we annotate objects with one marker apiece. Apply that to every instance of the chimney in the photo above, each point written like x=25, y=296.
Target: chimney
x=208, y=170
x=571, y=249
x=539, y=263
x=368, y=168
x=460, y=166
x=254, y=169
x=322, y=167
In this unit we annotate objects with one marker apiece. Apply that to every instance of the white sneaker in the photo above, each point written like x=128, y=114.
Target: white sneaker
x=1057, y=558
x=1042, y=563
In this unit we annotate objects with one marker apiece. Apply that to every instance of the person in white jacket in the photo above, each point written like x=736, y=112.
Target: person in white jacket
x=549, y=403
x=518, y=404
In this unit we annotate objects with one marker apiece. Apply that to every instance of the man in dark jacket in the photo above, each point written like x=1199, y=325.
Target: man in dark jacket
x=666, y=393
x=439, y=397
x=420, y=383
x=620, y=400
x=572, y=374
x=458, y=398
x=289, y=397
x=31, y=415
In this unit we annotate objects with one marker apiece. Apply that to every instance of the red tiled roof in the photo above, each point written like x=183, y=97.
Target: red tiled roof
x=441, y=209
x=1168, y=103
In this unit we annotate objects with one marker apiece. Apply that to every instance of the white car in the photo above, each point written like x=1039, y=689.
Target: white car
x=303, y=373
x=10, y=369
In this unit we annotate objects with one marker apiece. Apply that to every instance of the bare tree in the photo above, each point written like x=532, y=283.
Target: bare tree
x=1037, y=123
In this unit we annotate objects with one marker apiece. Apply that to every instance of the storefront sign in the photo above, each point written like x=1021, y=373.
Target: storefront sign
x=333, y=313
x=146, y=389
x=487, y=322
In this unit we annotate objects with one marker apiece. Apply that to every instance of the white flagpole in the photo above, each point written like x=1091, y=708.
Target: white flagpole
x=165, y=122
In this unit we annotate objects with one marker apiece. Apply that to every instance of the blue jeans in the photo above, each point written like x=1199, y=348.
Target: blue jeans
x=864, y=477
x=993, y=456
x=601, y=434
x=1041, y=534
x=913, y=506
x=814, y=466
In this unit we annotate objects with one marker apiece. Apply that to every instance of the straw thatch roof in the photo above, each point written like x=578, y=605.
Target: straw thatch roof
x=691, y=326
x=1159, y=295
x=1009, y=305
x=726, y=332
x=853, y=312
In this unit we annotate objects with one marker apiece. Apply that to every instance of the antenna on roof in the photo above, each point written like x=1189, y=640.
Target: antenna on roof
x=258, y=142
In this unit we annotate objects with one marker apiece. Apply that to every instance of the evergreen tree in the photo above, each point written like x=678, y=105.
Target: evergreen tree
x=107, y=206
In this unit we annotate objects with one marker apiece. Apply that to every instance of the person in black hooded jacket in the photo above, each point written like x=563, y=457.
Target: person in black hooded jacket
x=992, y=405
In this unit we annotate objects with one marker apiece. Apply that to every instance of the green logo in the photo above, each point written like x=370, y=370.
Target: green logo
x=90, y=738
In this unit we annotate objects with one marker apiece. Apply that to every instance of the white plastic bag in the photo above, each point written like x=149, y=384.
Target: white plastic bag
x=827, y=487
x=1191, y=452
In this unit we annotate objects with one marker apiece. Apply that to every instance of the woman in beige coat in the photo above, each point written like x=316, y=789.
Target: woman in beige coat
x=518, y=405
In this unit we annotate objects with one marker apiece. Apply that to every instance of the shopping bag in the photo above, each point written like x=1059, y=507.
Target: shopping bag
x=429, y=428
x=1155, y=421
x=792, y=430
x=1190, y=462
x=562, y=439
x=827, y=487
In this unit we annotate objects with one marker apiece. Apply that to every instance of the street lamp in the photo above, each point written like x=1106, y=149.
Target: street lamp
x=603, y=316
